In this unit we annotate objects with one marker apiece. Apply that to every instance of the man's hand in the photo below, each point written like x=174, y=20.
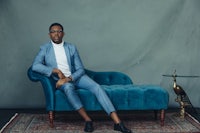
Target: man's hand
x=62, y=78
x=59, y=73
x=60, y=82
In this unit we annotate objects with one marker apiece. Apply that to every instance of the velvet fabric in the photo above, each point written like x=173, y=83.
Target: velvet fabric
x=119, y=87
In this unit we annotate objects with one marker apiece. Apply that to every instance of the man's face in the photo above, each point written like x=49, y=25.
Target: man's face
x=56, y=34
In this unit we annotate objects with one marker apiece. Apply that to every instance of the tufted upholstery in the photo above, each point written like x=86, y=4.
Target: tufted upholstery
x=109, y=78
x=123, y=93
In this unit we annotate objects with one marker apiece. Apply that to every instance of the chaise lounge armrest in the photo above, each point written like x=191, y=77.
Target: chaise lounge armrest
x=47, y=85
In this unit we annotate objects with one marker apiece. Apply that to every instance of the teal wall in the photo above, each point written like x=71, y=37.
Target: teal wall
x=142, y=38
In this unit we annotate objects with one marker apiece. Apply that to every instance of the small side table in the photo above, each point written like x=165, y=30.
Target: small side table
x=182, y=97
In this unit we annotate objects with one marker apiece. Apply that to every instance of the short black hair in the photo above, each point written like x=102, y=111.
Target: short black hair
x=56, y=24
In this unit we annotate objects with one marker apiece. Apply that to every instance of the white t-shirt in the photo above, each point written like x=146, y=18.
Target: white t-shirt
x=61, y=59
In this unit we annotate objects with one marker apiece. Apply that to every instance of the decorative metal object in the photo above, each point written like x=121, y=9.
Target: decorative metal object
x=182, y=97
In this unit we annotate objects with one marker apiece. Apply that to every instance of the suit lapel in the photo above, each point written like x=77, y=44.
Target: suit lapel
x=52, y=56
x=68, y=55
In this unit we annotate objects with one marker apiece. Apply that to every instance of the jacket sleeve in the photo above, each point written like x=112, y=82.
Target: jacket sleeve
x=39, y=63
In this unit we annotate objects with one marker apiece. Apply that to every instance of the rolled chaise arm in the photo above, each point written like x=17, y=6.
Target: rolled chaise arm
x=47, y=87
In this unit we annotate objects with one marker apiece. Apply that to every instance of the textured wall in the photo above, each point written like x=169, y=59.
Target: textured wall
x=142, y=38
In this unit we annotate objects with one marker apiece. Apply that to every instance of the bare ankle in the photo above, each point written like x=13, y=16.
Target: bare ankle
x=115, y=117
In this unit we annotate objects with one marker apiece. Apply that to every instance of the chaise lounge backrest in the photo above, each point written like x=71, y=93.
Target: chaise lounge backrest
x=109, y=78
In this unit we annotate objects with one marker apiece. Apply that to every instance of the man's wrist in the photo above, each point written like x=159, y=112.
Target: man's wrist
x=70, y=78
x=55, y=70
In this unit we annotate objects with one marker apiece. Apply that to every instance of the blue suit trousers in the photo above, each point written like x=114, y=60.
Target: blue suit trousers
x=87, y=83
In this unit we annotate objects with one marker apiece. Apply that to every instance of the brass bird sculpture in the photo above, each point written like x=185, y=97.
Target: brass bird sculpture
x=177, y=88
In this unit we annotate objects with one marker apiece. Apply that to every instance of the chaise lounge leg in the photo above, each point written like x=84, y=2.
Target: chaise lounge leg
x=51, y=118
x=162, y=117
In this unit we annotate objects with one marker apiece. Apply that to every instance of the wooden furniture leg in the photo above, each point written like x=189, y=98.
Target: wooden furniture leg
x=51, y=118
x=162, y=117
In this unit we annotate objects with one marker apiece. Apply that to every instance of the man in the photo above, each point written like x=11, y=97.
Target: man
x=61, y=60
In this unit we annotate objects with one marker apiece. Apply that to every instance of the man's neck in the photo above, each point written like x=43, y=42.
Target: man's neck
x=57, y=43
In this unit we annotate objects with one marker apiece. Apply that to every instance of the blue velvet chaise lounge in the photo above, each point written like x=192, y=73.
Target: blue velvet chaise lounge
x=123, y=93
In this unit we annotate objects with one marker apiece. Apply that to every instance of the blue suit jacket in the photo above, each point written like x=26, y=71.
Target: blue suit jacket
x=45, y=61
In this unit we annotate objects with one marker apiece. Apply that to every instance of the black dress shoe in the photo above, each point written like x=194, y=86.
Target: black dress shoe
x=88, y=126
x=122, y=128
